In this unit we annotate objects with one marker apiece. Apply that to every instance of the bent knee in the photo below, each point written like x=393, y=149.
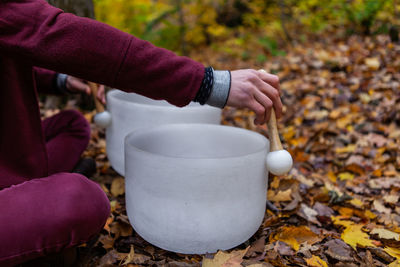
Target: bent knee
x=77, y=122
x=86, y=206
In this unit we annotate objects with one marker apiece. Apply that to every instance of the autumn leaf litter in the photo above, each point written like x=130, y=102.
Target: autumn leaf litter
x=339, y=206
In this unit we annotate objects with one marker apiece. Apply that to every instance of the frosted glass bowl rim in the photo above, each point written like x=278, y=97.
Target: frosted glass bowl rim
x=146, y=130
x=115, y=93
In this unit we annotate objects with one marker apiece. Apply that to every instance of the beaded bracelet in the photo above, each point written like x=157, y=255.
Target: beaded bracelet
x=206, y=86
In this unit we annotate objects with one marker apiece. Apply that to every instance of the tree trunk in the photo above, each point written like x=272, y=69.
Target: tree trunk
x=83, y=8
x=283, y=18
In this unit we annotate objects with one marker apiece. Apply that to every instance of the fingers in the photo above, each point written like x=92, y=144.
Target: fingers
x=101, y=94
x=266, y=105
x=272, y=93
x=271, y=79
x=77, y=85
x=261, y=112
x=257, y=91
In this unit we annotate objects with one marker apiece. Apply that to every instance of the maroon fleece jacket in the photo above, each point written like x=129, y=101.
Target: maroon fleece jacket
x=33, y=33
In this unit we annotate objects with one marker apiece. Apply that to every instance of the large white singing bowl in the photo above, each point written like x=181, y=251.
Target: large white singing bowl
x=195, y=188
x=131, y=111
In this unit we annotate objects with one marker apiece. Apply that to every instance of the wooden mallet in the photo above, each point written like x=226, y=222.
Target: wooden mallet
x=279, y=161
x=103, y=117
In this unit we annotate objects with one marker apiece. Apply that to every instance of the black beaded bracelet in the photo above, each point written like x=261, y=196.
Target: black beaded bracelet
x=206, y=86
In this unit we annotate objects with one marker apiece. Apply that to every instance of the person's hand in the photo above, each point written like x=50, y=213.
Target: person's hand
x=256, y=90
x=76, y=85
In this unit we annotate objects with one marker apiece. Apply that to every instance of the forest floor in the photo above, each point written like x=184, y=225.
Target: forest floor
x=339, y=206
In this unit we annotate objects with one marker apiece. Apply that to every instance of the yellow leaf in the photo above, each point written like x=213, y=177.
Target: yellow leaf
x=224, y=259
x=394, y=252
x=346, y=149
x=352, y=234
x=344, y=121
x=114, y=205
x=332, y=176
x=280, y=195
x=301, y=141
x=369, y=214
x=346, y=212
x=385, y=234
x=346, y=176
x=294, y=236
x=357, y=203
x=316, y=261
x=118, y=186
x=289, y=132
x=275, y=183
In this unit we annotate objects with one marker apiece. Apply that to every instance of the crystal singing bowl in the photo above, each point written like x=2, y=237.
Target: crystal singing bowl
x=131, y=111
x=195, y=188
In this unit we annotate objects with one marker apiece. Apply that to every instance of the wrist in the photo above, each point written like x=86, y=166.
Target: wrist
x=220, y=90
x=215, y=88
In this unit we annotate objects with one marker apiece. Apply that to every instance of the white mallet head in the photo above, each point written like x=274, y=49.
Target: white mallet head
x=102, y=119
x=279, y=162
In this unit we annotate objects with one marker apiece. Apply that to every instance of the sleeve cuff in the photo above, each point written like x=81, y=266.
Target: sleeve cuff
x=220, y=90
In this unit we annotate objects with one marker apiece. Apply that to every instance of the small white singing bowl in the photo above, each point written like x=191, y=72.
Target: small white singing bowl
x=131, y=111
x=195, y=188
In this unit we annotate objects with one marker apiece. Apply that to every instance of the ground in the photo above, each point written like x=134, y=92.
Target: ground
x=339, y=206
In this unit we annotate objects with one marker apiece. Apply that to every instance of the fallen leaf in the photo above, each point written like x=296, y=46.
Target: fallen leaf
x=392, y=199
x=294, y=236
x=257, y=247
x=280, y=195
x=385, y=234
x=308, y=213
x=373, y=63
x=323, y=210
x=346, y=149
x=316, y=261
x=394, y=252
x=338, y=250
x=109, y=259
x=346, y=176
x=379, y=207
x=283, y=249
x=357, y=203
x=107, y=241
x=396, y=263
x=130, y=256
x=352, y=234
x=118, y=186
x=224, y=259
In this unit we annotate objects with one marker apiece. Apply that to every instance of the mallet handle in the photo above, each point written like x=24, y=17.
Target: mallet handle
x=99, y=105
x=273, y=133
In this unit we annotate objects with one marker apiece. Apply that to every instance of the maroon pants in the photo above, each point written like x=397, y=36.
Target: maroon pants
x=46, y=215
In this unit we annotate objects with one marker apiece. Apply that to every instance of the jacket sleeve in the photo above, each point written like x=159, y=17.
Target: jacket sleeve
x=44, y=36
x=45, y=81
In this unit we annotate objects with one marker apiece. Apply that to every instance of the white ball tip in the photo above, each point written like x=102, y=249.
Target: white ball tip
x=279, y=162
x=102, y=119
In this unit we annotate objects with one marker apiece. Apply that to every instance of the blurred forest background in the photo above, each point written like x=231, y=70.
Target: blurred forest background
x=248, y=30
